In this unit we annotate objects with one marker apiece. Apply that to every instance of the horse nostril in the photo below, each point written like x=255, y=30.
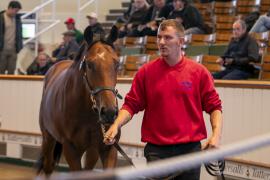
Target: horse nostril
x=108, y=115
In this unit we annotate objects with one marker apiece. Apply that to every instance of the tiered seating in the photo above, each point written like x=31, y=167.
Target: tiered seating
x=202, y=39
x=133, y=62
x=209, y=61
x=265, y=6
x=151, y=45
x=225, y=8
x=245, y=7
x=265, y=68
x=223, y=38
x=262, y=39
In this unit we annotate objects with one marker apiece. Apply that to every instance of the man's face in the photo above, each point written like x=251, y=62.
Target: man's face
x=159, y=3
x=168, y=41
x=70, y=26
x=139, y=4
x=92, y=21
x=67, y=38
x=42, y=60
x=178, y=4
x=12, y=11
x=238, y=30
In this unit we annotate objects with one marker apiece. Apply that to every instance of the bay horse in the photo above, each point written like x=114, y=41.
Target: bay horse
x=78, y=96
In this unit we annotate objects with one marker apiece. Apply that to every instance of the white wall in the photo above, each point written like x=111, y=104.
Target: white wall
x=245, y=113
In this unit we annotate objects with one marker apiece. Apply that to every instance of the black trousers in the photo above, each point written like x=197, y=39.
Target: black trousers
x=156, y=152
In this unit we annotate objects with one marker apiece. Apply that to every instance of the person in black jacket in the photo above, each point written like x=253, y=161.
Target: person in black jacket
x=68, y=48
x=189, y=16
x=40, y=65
x=155, y=14
x=97, y=29
x=241, y=50
x=10, y=37
x=138, y=13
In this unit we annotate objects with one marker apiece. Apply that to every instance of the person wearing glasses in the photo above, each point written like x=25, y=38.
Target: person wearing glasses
x=241, y=51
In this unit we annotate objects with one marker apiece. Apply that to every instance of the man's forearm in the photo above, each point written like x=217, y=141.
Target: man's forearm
x=122, y=118
x=216, y=123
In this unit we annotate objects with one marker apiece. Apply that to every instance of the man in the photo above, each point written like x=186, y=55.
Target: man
x=262, y=24
x=138, y=12
x=173, y=91
x=155, y=14
x=97, y=29
x=68, y=48
x=189, y=16
x=10, y=37
x=40, y=65
x=70, y=24
x=241, y=50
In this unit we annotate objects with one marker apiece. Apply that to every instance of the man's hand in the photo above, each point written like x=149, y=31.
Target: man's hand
x=228, y=61
x=109, y=137
x=212, y=142
x=220, y=61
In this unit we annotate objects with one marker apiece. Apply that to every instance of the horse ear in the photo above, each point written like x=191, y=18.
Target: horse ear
x=113, y=35
x=79, y=55
x=88, y=35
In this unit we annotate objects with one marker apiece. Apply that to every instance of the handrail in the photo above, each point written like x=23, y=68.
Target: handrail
x=36, y=11
x=41, y=32
x=81, y=8
x=85, y=5
x=37, y=8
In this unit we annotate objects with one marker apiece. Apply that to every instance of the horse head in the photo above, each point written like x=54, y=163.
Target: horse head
x=99, y=64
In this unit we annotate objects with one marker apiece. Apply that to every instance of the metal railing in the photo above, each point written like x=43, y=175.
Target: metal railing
x=36, y=11
x=81, y=7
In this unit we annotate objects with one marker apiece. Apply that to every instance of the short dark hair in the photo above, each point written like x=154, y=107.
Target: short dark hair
x=173, y=23
x=14, y=4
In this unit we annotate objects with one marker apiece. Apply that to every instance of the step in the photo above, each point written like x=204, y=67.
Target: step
x=117, y=11
x=125, y=4
x=112, y=17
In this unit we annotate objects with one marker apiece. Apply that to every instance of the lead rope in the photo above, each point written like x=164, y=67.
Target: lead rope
x=116, y=145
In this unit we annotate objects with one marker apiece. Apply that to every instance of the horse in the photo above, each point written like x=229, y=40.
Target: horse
x=79, y=97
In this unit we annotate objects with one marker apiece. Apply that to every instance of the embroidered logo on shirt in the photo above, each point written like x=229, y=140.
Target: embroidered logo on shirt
x=186, y=85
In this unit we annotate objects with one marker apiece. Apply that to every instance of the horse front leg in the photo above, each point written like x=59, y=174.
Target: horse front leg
x=73, y=156
x=91, y=157
x=109, y=157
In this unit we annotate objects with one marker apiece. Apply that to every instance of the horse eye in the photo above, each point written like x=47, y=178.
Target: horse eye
x=90, y=65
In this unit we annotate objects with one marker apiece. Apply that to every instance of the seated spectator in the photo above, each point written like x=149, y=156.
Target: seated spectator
x=26, y=57
x=70, y=24
x=40, y=65
x=139, y=10
x=97, y=29
x=68, y=48
x=189, y=16
x=126, y=14
x=241, y=50
x=262, y=24
x=155, y=14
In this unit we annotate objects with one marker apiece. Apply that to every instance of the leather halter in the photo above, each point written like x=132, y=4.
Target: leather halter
x=95, y=91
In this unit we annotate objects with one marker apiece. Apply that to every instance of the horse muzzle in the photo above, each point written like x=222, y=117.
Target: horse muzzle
x=108, y=115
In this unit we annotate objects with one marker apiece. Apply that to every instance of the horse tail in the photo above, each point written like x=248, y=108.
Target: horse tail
x=56, y=158
x=39, y=164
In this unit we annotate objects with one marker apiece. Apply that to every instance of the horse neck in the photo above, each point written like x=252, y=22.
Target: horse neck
x=75, y=81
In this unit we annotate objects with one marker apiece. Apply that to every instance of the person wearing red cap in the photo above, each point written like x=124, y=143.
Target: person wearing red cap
x=70, y=24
